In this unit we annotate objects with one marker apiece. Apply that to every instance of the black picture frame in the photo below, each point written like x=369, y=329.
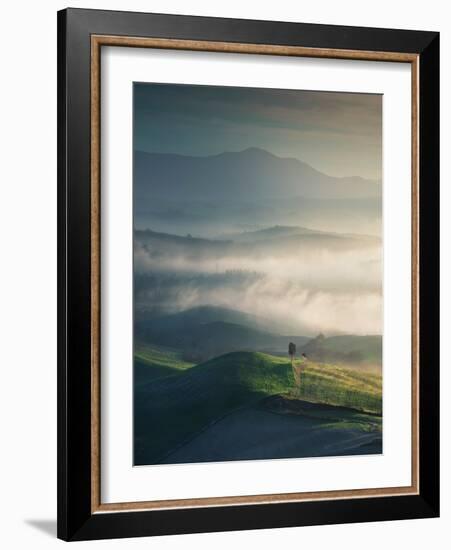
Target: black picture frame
x=76, y=521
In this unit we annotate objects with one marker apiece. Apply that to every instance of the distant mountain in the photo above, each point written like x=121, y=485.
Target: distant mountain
x=288, y=231
x=205, y=332
x=270, y=233
x=249, y=174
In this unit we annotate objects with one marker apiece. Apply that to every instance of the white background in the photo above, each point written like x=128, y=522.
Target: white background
x=120, y=482
x=28, y=274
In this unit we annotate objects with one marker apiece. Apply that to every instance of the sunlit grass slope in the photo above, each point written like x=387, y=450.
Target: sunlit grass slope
x=153, y=362
x=338, y=385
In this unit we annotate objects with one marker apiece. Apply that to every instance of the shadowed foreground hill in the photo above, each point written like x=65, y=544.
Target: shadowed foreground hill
x=173, y=409
x=274, y=428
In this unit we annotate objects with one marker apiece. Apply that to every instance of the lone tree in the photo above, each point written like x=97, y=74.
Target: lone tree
x=292, y=351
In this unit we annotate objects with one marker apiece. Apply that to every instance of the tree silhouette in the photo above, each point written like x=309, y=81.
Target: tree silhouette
x=292, y=351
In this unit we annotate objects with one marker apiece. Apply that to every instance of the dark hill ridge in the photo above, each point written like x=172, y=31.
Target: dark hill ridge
x=293, y=231
x=244, y=174
x=208, y=314
x=205, y=332
x=272, y=232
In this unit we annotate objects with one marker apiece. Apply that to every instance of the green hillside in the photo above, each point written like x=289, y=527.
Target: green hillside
x=153, y=362
x=179, y=402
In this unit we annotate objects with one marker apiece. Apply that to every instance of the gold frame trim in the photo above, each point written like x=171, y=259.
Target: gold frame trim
x=97, y=41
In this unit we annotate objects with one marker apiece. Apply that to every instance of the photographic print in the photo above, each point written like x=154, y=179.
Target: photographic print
x=257, y=273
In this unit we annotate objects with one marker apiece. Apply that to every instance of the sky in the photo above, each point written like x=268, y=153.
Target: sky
x=339, y=134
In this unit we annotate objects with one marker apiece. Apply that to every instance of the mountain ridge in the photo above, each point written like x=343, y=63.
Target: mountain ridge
x=248, y=172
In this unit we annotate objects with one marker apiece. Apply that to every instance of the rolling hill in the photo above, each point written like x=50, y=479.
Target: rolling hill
x=290, y=232
x=152, y=362
x=170, y=410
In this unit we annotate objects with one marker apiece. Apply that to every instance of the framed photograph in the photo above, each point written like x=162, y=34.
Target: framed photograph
x=248, y=274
